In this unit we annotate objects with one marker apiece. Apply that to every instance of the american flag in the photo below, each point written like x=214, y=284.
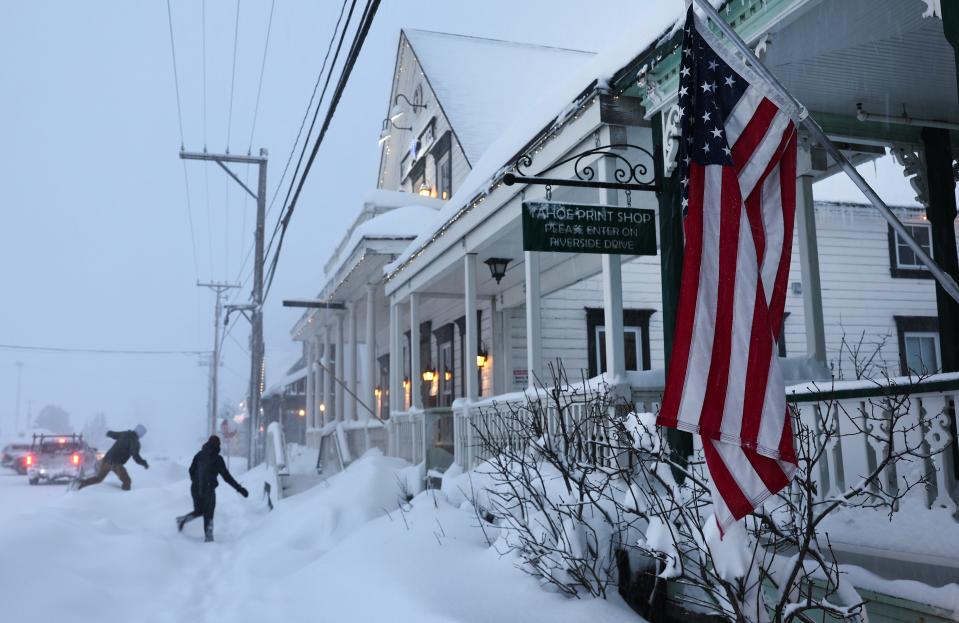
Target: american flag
x=738, y=173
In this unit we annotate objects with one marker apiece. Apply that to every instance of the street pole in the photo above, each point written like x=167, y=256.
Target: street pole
x=16, y=420
x=220, y=289
x=256, y=311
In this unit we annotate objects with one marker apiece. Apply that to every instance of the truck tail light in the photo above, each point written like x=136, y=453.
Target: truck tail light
x=76, y=458
x=28, y=460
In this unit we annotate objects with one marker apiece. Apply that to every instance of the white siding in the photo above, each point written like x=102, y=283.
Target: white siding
x=859, y=295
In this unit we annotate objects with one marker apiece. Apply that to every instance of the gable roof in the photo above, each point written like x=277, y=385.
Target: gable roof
x=482, y=83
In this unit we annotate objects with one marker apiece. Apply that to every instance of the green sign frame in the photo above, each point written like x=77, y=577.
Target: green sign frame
x=557, y=227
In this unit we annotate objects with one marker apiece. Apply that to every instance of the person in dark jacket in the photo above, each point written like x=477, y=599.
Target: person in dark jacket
x=126, y=446
x=206, y=466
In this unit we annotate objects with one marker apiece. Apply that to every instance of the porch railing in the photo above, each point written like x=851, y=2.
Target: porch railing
x=928, y=409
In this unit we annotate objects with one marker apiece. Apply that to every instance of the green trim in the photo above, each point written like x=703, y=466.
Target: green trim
x=879, y=391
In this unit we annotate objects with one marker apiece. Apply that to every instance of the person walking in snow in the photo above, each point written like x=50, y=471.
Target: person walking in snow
x=126, y=446
x=206, y=466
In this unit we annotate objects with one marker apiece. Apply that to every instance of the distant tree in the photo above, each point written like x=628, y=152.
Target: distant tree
x=53, y=418
x=95, y=430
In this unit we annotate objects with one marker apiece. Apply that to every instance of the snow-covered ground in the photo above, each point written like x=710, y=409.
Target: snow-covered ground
x=341, y=551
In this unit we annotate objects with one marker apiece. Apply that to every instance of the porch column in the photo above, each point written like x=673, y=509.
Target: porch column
x=317, y=373
x=497, y=355
x=469, y=294
x=809, y=265
x=941, y=212
x=416, y=370
x=353, y=368
x=371, y=347
x=327, y=407
x=534, y=328
x=340, y=355
x=613, y=302
x=308, y=346
x=613, y=319
x=396, y=360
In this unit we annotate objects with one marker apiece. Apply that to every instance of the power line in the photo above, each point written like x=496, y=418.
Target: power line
x=99, y=351
x=364, y=28
x=316, y=113
x=259, y=89
x=236, y=36
x=309, y=106
x=176, y=78
x=299, y=133
x=189, y=216
x=179, y=115
x=203, y=24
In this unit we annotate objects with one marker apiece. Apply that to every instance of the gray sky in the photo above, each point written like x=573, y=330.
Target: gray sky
x=96, y=250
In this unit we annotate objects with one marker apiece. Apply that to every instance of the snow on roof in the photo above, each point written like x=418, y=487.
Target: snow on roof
x=551, y=103
x=375, y=203
x=482, y=83
x=286, y=367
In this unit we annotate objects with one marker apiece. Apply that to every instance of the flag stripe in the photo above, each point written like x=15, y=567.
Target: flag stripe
x=701, y=345
x=693, y=228
x=729, y=237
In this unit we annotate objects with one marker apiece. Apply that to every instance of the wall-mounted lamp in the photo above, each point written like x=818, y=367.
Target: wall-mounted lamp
x=497, y=267
x=377, y=391
x=397, y=111
x=447, y=375
x=429, y=375
x=301, y=413
x=406, y=383
x=482, y=357
x=388, y=126
x=322, y=408
x=425, y=190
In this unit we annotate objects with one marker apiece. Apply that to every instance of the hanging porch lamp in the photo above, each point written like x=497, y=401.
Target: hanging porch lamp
x=497, y=267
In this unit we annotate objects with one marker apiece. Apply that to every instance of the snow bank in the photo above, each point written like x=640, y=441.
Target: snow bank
x=341, y=551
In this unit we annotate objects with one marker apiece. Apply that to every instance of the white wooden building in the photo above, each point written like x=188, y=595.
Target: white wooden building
x=429, y=332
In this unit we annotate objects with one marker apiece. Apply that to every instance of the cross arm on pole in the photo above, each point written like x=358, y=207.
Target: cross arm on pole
x=235, y=178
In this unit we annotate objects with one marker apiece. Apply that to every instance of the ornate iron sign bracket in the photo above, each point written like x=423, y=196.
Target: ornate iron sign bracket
x=627, y=175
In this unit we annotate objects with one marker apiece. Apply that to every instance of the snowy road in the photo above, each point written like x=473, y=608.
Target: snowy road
x=333, y=553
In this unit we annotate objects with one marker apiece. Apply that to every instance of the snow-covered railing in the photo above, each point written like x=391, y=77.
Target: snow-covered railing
x=497, y=419
x=407, y=431
x=927, y=408
x=277, y=460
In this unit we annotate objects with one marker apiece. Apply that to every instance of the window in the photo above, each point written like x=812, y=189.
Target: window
x=631, y=337
x=903, y=260
x=922, y=352
x=445, y=369
x=635, y=337
x=918, y=344
x=444, y=168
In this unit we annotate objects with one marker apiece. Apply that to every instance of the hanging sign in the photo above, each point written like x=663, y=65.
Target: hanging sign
x=579, y=228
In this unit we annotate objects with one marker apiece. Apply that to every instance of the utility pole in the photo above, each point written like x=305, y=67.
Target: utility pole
x=16, y=420
x=219, y=288
x=256, y=309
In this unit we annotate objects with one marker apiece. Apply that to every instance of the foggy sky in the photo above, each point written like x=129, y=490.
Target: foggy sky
x=96, y=249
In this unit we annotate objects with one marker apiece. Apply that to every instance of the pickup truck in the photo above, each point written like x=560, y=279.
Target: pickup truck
x=59, y=458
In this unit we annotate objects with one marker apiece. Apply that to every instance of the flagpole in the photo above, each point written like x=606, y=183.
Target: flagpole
x=809, y=124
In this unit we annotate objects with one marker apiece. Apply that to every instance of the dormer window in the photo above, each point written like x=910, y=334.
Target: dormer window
x=417, y=98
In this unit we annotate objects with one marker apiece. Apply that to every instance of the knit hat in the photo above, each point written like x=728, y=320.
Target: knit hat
x=214, y=440
x=140, y=430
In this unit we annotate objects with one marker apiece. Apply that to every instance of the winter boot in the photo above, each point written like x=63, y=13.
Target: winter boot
x=208, y=533
x=181, y=521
